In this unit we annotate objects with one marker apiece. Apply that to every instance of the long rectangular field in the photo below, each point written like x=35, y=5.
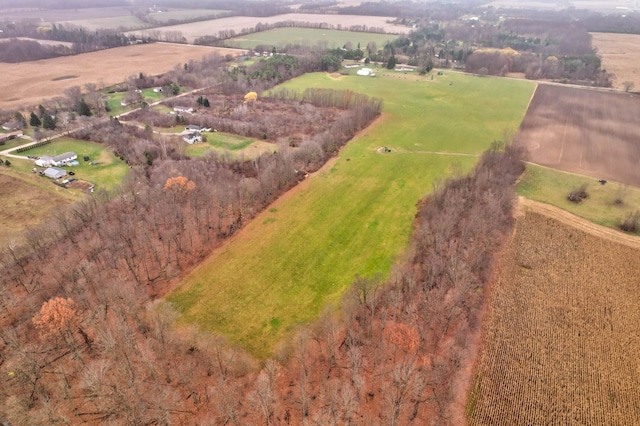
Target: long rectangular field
x=281, y=37
x=354, y=216
x=194, y=30
x=561, y=341
x=584, y=131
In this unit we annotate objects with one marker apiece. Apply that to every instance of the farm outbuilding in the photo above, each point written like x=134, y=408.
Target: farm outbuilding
x=54, y=173
x=366, y=72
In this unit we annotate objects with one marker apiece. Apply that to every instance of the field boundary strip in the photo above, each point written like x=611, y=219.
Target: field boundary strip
x=579, y=223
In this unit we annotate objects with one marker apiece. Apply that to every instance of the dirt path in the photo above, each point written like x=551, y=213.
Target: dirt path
x=584, y=225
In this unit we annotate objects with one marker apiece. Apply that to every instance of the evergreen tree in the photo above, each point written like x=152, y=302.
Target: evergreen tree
x=83, y=108
x=34, y=120
x=205, y=103
x=48, y=122
x=391, y=64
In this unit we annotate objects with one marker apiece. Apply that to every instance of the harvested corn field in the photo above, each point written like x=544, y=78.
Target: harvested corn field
x=562, y=336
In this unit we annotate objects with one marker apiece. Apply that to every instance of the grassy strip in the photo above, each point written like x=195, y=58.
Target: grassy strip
x=280, y=37
x=553, y=186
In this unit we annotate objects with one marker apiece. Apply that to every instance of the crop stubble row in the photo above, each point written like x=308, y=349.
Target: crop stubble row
x=563, y=332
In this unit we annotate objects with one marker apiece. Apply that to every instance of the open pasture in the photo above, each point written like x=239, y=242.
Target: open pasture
x=28, y=83
x=561, y=337
x=620, y=55
x=194, y=30
x=184, y=14
x=117, y=23
x=281, y=37
x=584, y=131
x=354, y=216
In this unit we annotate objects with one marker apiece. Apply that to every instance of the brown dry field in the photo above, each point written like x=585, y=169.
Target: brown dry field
x=620, y=55
x=237, y=23
x=561, y=337
x=590, y=132
x=53, y=15
x=28, y=83
x=26, y=202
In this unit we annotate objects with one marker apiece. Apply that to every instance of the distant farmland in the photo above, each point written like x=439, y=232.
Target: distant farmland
x=584, y=131
x=280, y=37
x=562, y=339
x=620, y=55
x=354, y=216
x=237, y=23
x=30, y=82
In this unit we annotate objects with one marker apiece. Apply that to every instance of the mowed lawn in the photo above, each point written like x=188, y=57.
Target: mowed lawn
x=281, y=37
x=352, y=218
x=233, y=145
x=107, y=171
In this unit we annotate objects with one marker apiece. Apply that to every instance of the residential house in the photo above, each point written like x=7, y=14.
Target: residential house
x=44, y=161
x=193, y=128
x=192, y=138
x=54, y=173
x=11, y=135
x=63, y=159
x=188, y=110
x=157, y=89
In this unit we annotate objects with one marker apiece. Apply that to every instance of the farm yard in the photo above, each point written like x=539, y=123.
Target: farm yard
x=354, y=216
x=103, y=168
x=281, y=37
x=28, y=83
x=194, y=30
x=561, y=340
x=620, y=55
x=584, y=131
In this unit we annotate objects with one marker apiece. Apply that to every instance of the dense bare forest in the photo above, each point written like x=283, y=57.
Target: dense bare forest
x=84, y=341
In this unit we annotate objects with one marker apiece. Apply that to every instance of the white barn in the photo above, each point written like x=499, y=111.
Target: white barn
x=366, y=72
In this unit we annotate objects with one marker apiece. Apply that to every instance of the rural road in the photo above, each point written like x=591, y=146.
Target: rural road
x=524, y=204
x=7, y=152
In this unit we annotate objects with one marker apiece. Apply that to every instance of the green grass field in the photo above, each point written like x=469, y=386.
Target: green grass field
x=234, y=145
x=114, y=99
x=122, y=23
x=280, y=37
x=107, y=174
x=354, y=217
x=185, y=14
x=553, y=186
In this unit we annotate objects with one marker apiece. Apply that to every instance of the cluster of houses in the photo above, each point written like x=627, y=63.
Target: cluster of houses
x=193, y=134
x=53, y=164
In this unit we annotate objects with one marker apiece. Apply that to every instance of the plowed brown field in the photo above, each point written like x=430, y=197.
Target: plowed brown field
x=620, y=56
x=562, y=334
x=28, y=83
x=584, y=131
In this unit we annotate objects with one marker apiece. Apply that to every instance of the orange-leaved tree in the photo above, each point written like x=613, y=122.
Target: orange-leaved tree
x=179, y=184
